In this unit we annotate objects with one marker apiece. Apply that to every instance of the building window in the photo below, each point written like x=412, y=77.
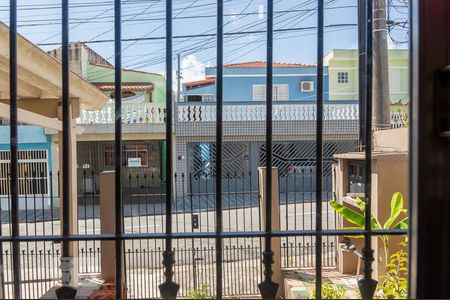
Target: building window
x=33, y=172
x=200, y=98
x=280, y=92
x=209, y=98
x=395, y=80
x=132, y=155
x=342, y=77
x=193, y=98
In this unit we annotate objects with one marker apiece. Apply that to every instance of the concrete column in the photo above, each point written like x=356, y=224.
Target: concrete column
x=276, y=241
x=73, y=217
x=107, y=226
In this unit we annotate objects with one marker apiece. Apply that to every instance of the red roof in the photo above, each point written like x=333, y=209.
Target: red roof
x=199, y=83
x=126, y=87
x=262, y=64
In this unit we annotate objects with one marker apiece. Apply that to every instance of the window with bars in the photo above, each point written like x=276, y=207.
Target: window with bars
x=133, y=155
x=168, y=286
x=342, y=77
x=33, y=172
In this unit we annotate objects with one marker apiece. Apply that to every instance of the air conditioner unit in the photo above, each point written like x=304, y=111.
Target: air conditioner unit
x=307, y=86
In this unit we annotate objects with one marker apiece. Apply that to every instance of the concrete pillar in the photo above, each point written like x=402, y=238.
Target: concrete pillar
x=276, y=241
x=107, y=226
x=73, y=217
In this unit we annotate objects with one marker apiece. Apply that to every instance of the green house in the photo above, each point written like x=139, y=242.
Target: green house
x=343, y=74
x=151, y=85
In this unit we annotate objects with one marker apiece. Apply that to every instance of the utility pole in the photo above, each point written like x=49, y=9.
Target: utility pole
x=179, y=78
x=381, y=98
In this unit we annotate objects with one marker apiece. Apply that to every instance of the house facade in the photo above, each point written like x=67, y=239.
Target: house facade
x=343, y=74
x=294, y=94
x=143, y=105
x=143, y=117
x=245, y=82
x=35, y=162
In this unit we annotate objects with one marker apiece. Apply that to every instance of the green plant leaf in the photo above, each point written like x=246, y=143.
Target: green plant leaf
x=353, y=236
x=348, y=213
x=396, y=209
x=402, y=224
x=361, y=204
x=375, y=223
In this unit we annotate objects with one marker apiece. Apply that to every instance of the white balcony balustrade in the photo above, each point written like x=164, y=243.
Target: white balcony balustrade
x=149, y=113
x=140, y=113
x=257, y=112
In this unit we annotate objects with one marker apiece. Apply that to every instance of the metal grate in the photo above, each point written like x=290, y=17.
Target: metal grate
x=204, y=156
x=169, y=288
x=31, y=164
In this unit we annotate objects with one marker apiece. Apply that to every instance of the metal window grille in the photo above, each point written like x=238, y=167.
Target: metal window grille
x=342, y=77
x=209, y=98
x=139, y=151
x=169, y=288
x=31, y=164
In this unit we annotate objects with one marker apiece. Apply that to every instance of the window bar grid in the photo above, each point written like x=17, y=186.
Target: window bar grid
x=118, y=144
x=361, y=70
x=367, y=285
x=65, y=115
x=268, y=288
x=169, y=289
x=219, y=148
x=319, y=147
x=14, y=144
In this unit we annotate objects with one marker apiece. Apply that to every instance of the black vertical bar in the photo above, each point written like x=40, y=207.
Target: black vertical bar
x=66, y=126
x=219, y=148
x=319, y=148
x=169, y=289
x=14, y=144
x=118, y=144
x=65, y=292
x=367, y=285
x=268, y=288
x=362, y=70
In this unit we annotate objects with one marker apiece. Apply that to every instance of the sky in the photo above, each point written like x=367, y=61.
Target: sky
x=91, y=21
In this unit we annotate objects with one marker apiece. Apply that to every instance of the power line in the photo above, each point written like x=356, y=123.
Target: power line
x=203, y=47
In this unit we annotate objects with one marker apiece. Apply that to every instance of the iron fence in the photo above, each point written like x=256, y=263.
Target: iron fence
x=193, y=211
x=169, y=286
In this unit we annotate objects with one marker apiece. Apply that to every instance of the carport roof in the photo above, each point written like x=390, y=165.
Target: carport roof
x=39, y=83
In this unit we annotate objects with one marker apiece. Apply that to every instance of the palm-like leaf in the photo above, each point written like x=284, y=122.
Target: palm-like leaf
x=348, y=213
x=353, y=216
x=357, y=218
x=402, y=224
x=396, y=209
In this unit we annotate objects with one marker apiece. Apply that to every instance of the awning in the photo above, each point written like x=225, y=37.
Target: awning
x=39, y=85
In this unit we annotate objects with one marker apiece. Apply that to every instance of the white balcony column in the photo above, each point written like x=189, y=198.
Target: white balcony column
x=73, y=217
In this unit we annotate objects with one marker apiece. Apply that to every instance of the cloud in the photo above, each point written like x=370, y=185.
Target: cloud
x=192, y=69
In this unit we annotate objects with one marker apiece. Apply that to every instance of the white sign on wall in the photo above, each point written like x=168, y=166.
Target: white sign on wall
x=134, y=162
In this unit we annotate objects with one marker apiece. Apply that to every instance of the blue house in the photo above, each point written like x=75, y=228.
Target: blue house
x=35, y=165
x=244, y=116
x=246, y=82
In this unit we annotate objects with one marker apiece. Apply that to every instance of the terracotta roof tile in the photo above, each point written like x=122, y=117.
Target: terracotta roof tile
x=126, y=87
x=199, y=83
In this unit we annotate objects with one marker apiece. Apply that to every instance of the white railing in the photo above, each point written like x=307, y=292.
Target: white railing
x=257, y=112
x=149, y=113
x=142, y=113
x=399, y=119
